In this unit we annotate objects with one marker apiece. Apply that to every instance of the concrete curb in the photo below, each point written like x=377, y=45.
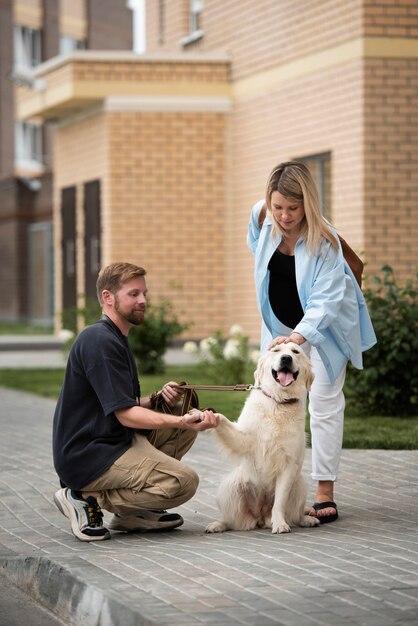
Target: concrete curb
x=25, y=343
x=67, y=595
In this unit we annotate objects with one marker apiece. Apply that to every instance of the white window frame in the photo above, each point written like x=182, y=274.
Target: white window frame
x=320, y=161
x=69, y=44
x=195, y=32
x=161, y=21
x=27, y=47
x=28, y=146
x=195, y=11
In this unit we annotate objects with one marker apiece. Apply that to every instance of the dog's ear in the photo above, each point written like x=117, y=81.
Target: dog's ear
x=256, y=383
x=309, y=377
x=258, y=374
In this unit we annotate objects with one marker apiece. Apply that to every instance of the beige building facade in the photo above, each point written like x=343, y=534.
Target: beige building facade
x=180, y=141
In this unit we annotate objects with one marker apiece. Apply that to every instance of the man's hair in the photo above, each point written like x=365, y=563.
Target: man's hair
x=113, y=276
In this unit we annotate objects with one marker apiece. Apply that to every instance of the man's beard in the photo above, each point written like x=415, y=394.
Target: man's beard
x=132, y=317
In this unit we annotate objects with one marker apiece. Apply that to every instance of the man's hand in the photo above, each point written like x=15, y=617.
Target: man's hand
x=200, y=420
x=171, y=393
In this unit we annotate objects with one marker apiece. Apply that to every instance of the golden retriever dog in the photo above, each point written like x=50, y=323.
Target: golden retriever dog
x=266, y=489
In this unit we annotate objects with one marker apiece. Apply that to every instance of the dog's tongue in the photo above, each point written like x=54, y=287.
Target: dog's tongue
x=285, y=378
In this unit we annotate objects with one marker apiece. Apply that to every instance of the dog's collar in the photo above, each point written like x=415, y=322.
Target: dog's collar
x=287, y=401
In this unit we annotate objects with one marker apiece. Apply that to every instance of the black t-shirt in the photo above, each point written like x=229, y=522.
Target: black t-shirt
x=283, y=293
x=101, y=377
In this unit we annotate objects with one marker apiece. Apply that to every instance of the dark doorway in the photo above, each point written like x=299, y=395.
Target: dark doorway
x=68, y=248
x=92, y=227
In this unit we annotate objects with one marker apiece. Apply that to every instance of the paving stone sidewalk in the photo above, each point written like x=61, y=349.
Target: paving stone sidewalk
x=362, y=570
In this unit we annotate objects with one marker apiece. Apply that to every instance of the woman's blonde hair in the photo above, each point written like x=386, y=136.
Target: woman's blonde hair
x=294, y=181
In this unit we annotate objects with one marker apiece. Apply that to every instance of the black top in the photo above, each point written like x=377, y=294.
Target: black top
x=101, y=377
x=283, y=293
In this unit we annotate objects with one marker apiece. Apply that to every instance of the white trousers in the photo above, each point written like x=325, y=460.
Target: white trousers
x=326, y=410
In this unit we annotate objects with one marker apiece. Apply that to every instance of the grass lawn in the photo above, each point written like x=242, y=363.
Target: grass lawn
x=16, y=328
x=370, y=432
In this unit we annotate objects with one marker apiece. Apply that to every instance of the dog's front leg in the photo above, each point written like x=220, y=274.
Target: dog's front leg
x=281, y=496
x=232, y=438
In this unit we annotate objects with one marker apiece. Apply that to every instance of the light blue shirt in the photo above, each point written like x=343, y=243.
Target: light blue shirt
x=336, y=320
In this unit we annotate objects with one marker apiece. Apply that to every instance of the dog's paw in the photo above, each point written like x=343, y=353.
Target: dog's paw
x=308, y=521
x=216, y=527
x=223, y=421
x=281, y=528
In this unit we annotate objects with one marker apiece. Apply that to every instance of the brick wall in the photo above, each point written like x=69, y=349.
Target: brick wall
x=6, y=91
x=109, y=25
x=307, y=78
x=303, y=117
x=391, y=164
x=156, y=71
x=168, y=199
x=385, y=18
x=73, y=18
x=50, y=29
x=164, y=30
x=335, y=76
x=259, y=34
x=163, y=198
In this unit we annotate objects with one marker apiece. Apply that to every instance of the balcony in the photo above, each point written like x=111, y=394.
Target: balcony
x=68, y=84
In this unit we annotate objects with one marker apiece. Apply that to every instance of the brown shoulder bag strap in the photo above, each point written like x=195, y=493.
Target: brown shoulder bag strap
x=354, y=261
x=262, y=215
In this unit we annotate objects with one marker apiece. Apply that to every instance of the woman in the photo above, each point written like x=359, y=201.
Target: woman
x=307, y=293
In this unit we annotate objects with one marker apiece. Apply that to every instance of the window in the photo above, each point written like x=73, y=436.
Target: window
x=27, y=47
x=28, y=145
x=320, y=167
x=68, y=44
x=161, y=21
x=196, y=8
x=195, y=11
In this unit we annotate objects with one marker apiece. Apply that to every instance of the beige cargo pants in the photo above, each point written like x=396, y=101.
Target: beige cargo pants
x=149, y=475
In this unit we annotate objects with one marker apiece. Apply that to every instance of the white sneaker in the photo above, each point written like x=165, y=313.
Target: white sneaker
x=86, y=516
x=146, y=519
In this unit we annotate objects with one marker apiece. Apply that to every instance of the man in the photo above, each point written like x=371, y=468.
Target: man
x=111, y=449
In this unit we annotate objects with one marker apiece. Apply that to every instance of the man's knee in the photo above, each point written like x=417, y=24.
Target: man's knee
x=188, y=483
x=175, y=484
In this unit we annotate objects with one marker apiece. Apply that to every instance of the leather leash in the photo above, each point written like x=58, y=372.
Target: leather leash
x=219, y=387
x=234, y=388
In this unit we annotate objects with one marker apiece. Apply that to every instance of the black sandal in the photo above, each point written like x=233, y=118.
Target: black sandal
x=326, y=519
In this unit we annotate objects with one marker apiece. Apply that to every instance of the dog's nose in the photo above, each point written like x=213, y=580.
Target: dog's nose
x=286, y=360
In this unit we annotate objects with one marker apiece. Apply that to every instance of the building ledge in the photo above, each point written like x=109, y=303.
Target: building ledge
x=192, y=37
x=67, y=84
x=28, y=169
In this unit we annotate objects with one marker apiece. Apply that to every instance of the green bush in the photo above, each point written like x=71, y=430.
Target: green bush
x=388, y=385
x=150, y=340
x=88, y=314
